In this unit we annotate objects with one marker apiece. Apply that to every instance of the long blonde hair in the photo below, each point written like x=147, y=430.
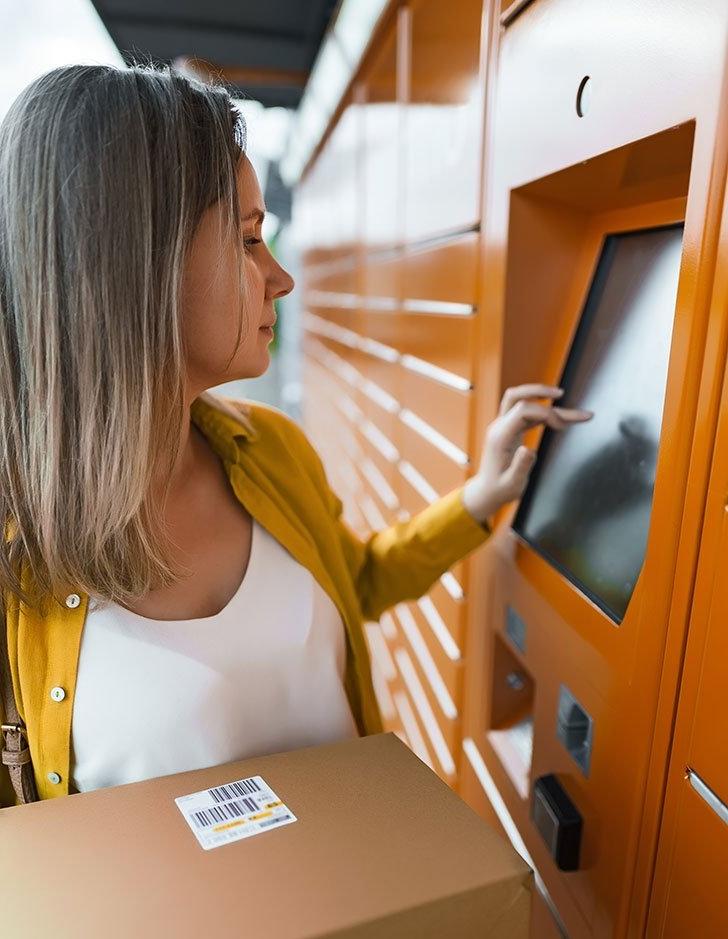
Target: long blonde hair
x=104, y=176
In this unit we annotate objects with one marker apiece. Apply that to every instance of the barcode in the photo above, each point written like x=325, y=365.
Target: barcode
x=221, y=813
x=233, y=790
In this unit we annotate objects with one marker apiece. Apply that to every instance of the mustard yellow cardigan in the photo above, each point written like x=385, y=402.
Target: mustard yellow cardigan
x=278, y=477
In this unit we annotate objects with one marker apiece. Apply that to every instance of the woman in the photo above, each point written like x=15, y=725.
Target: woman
x=180, y=588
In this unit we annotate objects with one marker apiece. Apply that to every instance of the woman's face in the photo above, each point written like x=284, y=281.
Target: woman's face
x=211, y=298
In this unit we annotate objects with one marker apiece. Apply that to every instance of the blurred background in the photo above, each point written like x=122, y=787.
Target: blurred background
x=265, y=51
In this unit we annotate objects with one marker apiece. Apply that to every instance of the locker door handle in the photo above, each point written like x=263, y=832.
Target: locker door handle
x=707, y=795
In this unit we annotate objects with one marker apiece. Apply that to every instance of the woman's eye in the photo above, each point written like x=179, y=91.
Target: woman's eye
x=253, y=241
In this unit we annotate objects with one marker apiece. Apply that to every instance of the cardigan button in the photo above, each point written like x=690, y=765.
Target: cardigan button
x=72, y=601
x=58, y=694
x=54, y=778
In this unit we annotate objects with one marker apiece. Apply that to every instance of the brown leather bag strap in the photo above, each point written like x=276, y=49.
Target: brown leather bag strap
x=15, y=752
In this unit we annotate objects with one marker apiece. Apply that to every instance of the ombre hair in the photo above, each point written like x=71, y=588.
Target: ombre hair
x=105, y=174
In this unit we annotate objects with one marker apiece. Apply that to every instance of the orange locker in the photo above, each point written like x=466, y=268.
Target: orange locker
x=602, y=194
x=390, y=308
x=692, y=860
x=501, y=177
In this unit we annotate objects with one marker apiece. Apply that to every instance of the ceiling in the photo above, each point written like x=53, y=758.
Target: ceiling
x=265, y=49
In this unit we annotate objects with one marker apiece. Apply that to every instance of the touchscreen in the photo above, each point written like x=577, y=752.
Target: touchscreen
x=587, y=506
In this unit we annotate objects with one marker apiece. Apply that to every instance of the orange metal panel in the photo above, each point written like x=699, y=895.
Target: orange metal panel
x=440, y=470
x=386, y=468
x=709, y=750
x=543, y=924
x=472, y=792
x=383, y=326
x=555, y=183
x=345, y=318
x=446, y=409
x=374, y=465
x=692, y=860
x=452, y=611
x=441, y=733
x=341, y=277
x=381, y=279
x=443, y=117
x=379, y=429
x=449, y=669
x=381, y=153
x=695, y=899
x=445, y=271
x=443, y=341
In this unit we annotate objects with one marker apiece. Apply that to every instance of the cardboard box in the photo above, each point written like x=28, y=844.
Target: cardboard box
x=381, y=848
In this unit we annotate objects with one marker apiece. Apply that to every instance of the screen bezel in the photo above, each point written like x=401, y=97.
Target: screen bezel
x=584, y=324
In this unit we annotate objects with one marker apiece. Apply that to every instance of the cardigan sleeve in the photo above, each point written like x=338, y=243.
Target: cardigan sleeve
x=399, y=562
x=402, y=561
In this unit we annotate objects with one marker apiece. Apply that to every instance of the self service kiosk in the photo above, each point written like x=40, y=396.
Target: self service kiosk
x=603, y=204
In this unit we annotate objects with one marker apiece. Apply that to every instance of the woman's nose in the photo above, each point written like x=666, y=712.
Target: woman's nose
x=283, y=283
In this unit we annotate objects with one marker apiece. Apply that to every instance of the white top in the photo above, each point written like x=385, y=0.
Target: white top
x=263, y=675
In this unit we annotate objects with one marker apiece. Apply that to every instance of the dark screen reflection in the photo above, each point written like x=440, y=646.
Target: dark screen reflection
x=588, y=504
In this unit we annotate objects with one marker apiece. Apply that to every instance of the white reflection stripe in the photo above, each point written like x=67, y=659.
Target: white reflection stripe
x=427, y=716
x=334, y=362
x=348, y=373
x=319, y=353
x=347, y=406
x=379, y=484
x=495, y=798
x=441, y=375
x=439, y=628
x=434, y=437
x=446, y=307
x=380, y=651
x=419, y=647
x=409, y=722
x=379, y=441
x=417, y=481
x=378, y=349
x=452, y=585
x=330, y=299
x=371, y=513
x=379, y=303
x=324, y=268
x=388, y=626
x=384, y=698
x=315, y=349
x=379, y=396
x=324, y=327
x=349, y=474
x=350, y=444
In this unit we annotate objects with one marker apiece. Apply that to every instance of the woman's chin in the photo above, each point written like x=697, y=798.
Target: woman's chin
x=259, y=366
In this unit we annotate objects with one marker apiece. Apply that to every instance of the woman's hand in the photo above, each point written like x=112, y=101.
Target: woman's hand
x=505, y=464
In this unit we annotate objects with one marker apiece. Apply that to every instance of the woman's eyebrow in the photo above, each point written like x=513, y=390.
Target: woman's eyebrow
x=256, y=213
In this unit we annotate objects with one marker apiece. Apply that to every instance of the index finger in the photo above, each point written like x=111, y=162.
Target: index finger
x=523, y=392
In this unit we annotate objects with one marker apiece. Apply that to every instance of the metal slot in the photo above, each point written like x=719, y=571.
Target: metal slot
x=515, y=629
x=574, y=728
